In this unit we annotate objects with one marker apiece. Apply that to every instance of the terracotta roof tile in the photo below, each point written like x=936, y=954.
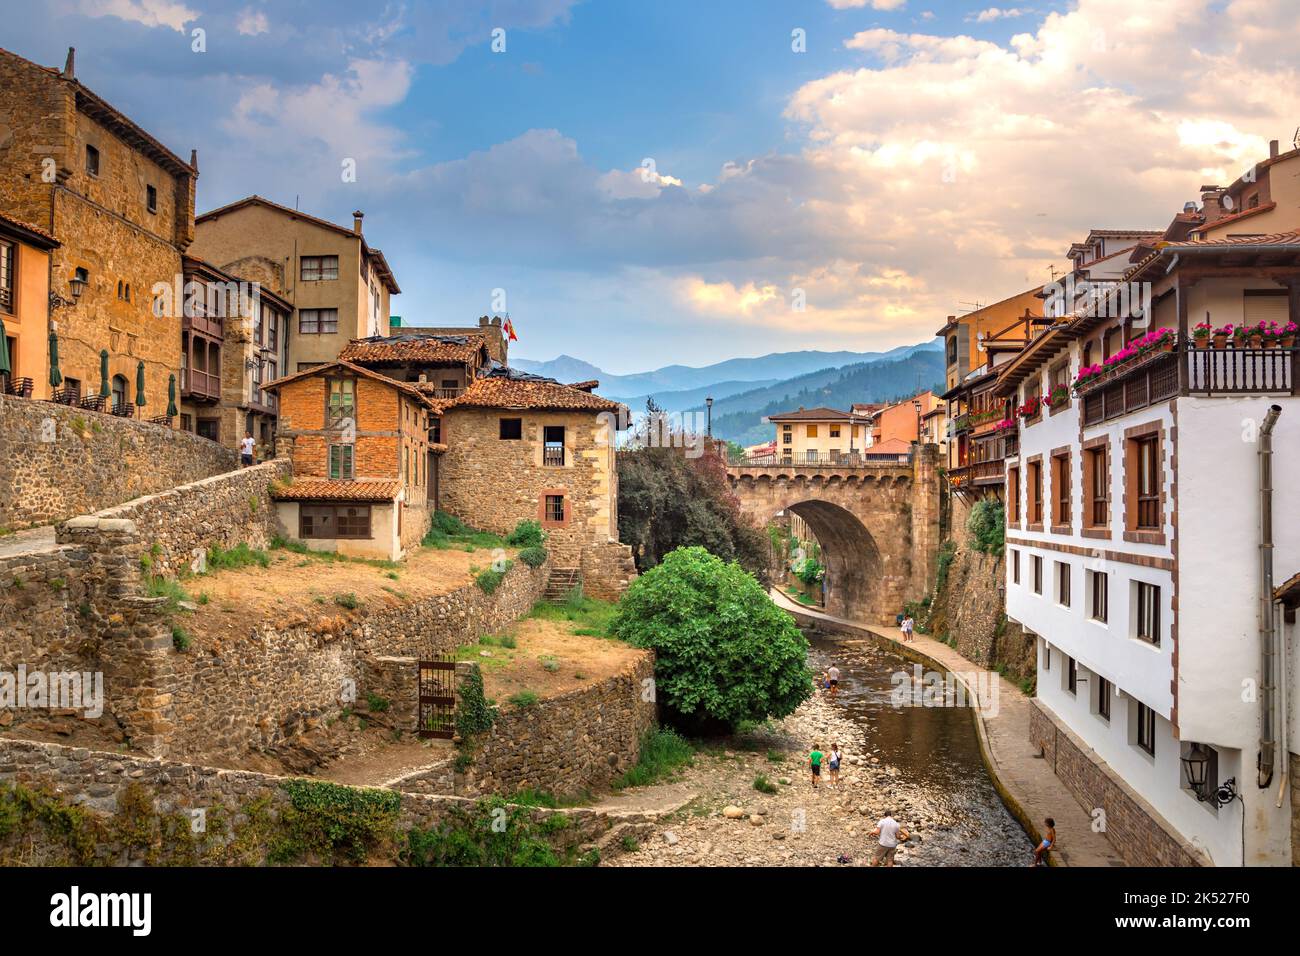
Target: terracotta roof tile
x=408, y=347
x=811, y=415
x=37, y=230
x=499, y=391
x=407, y=388
x=328, y=489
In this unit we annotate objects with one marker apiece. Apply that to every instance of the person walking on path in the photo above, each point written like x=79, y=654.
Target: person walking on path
x=1044, y=848
x=815, y=763
x=834, y=764
x=890, y=833
x=908, y=626
x=246, y=446
x=833, y=674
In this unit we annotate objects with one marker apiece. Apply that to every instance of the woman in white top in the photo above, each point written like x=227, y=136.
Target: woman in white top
x=834, y=765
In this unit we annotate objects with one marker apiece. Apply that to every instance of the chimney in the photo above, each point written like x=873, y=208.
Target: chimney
x=356, y=221
x=70, y=65
x=1272, y=149
x=194, y=160
x=1211, y=202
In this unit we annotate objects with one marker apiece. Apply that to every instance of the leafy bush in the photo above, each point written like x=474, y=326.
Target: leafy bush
x=348, y=601
x=527, y=534
x=523, y=699
x=947, y=552
x=493, y=833
x=534, y=557
x=724, y=653
x=987, y=526
x=474, y=714
x=662, y=752
x=180, y=639
x=489, y=579
x=326, y=821
x=449, y=524
x=810, y=571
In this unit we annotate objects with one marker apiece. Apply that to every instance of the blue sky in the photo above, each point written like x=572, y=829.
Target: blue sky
x=919, y=155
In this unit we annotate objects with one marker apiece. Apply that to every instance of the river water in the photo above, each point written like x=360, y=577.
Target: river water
x=939, y=780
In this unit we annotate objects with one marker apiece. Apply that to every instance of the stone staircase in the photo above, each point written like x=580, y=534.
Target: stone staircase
x=561, y=583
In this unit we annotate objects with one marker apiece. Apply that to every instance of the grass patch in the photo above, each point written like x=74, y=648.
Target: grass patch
x=593, y=617
x=449, y=533
x=763, y=785
x=169, y=588
x=297, y=547
x=524, y=699
x=348, y=601
x=663, y=753
x=240, y=556
x=180, y=638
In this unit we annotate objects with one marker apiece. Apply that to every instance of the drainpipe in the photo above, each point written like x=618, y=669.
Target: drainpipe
x=1269, y=657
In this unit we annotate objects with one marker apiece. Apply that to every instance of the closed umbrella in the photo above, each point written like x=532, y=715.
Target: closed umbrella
x=139, y=386
x=5, y=367
x=104, y=391
x=56, y=379
x=171, y=397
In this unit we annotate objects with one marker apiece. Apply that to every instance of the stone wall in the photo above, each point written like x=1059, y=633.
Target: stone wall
x=1133, y=827
x=176, y=527
x=97, y=782
x=607, y=570
x=57, y=462
x=971, y=609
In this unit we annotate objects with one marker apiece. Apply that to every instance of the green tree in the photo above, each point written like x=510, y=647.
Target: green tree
x=724, y=653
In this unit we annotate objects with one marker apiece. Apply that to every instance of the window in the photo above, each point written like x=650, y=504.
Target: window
x=512, y=429
x=187, y=423
x=1099, y=585
x=1061, y=489
x=119, y=391
x=555, y=508
x=1086, y=360
x=1037, y=565
x=92, y=160
x=1110, y=342
x=1063, y=583
x=315, y=268
x=1015, y=566
x=1097, y=481
x=952, y=350
x=334, y=521
x=812, y=431
x=341, y=401
x=1047, y=656
x=1145, y=460
x=811, y=455
x=318, y=321
x=1146, y=728
x=1013, y=495
x=1103, y=698
x=787, y=438
x=1072, y=675
x=7, y=276
x=553, y=445
x=151, y=198
x=1036, y=492
x=835, y=431
x=1147, y=626
x=209, y=428
x=341, y=462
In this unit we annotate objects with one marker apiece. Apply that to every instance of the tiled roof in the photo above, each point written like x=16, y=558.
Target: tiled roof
x=36, y=231
x=1277, y=239
x=407, y=388
x=1233, y=217
x=811, y=415
x=891, y=446
x=500, y=391
x=413, y=347
x=329, y=489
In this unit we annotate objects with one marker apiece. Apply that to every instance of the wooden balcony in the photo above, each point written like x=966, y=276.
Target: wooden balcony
x=553, y=456
x=204, y=325
x=981, y=473
x=1241, y=371
x=200, y=386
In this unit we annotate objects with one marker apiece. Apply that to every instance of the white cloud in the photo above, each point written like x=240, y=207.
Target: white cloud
x=873, y=4
x=251, y=23
x=150, y=13
x=989, y=14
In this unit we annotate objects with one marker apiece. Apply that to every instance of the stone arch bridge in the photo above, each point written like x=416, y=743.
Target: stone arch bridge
x=877, y=523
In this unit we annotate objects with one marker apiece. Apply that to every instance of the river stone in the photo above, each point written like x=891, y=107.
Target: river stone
x=755, y=820
x=670, y=838
x=732, y=812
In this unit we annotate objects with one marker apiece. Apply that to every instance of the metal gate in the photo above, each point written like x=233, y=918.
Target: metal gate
x=437, y=717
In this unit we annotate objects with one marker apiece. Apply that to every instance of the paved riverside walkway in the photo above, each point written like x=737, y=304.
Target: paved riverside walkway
x=1024, y=780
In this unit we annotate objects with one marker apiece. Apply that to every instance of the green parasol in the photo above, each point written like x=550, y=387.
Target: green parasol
x=139, y=386
x=171, y=397
x=5, y=367
x=104, y=390
x=56, y=379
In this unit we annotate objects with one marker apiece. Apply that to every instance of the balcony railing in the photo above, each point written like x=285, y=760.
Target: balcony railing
x=858, y=459
x=978, y=473
x=18, y=387
x=203, y=324
x=1138, y=384
x=202, y=386
x=553, y=455
x=1241, y=371
x=443, y=392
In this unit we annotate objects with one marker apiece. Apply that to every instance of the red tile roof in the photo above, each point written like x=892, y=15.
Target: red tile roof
x=36, y=231
x=407, y=388
x=822, y=414
x=406, y=347
x=329, y=489
x=494, y=391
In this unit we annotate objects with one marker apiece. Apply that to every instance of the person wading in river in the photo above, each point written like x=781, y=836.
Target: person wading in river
x=834, y=763
x=890, y=833
x=815, y=763
x=833, y=674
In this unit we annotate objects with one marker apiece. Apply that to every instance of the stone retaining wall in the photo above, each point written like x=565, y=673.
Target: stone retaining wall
x=1133, y=827
x=57, y=462
x=97, y=781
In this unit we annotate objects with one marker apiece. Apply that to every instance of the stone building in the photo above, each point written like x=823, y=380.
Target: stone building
x=339, y=285
x=490, y=329
x=359, y=443
x=25, y=306
x=442, y=364
x=524, y=447
x=122, y=207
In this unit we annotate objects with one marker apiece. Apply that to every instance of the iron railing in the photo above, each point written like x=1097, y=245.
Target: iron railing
x=843, y=460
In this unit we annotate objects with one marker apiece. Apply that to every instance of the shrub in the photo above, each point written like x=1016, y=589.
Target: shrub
x=724, y=653
x=474, y=714
x=491, y=833
x=240, y=556
x=534, y=557
x=527, y=534
x=763, y=785
x=662, y=752
x=525, y=698
x=449, y=524
x=987, y=526
x=348, y=601
x=810, y=571
x=326, y=821
x=946, y=553
x=180, y=639
x=489, y=579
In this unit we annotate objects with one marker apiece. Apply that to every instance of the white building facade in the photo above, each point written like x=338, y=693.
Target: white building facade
x=1134, y=532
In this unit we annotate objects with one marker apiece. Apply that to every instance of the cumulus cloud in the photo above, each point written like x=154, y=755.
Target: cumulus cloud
x=873, y=4
x=989, y=14
x=251, y=23
x=149, y=13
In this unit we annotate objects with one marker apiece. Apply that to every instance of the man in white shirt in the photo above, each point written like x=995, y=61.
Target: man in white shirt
x=246, y=446
x=891, y=834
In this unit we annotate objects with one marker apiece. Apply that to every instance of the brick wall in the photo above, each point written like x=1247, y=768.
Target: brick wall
x=1133, y=827
x=57, y=462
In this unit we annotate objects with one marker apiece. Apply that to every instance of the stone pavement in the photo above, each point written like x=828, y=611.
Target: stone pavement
x=33, y=540
x=1027, y=785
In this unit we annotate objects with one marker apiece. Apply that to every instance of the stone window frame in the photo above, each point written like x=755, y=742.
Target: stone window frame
x=501, y=428
x=1092, y=450
x=567, y=504
x=1059, y=455
x=151, y=198
x=93, y=161
x=1134, y=437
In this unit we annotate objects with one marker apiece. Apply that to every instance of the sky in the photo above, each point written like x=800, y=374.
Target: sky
x=641, y=184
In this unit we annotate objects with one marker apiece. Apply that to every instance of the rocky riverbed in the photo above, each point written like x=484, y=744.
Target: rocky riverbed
x=920, y=763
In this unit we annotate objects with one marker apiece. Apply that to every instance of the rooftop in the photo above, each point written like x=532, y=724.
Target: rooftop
x=405, y=347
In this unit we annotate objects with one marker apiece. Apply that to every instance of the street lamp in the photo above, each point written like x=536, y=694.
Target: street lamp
x=1196, y=766
x=708, y=412
x=76, y=285
x=916, y=404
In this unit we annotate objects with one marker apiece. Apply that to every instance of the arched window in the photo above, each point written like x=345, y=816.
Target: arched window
x=119, y=288
x=128, y=292
x=119, y=391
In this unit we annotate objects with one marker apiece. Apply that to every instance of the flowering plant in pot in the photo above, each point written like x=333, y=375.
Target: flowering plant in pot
x=1241, y=336
x=1006, y=425
x=1221, y=336
x=1030, y=408
x=1058, y=395
x=1286, y=335
x=1087, y=374
x=1157, y=340
x=1201, y=334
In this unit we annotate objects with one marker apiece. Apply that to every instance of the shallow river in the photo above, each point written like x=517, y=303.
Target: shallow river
x=941, y=779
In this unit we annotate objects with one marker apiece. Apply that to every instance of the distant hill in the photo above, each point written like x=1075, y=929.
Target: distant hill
x=770, y=368
x=739, y=418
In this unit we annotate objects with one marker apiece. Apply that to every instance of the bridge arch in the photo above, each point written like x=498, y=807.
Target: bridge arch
x=855, y=566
